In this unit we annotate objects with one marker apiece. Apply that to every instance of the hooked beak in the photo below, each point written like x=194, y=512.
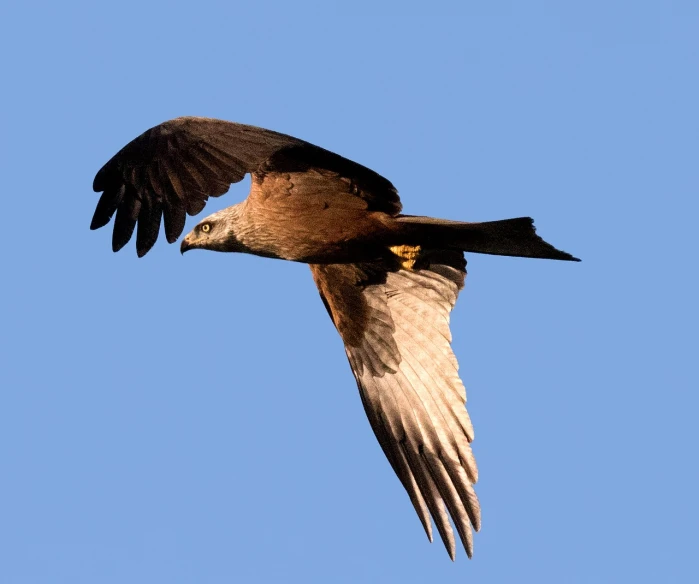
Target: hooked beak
x=187, y=243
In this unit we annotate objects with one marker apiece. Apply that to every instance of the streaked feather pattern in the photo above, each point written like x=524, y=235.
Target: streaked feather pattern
x=395, y=325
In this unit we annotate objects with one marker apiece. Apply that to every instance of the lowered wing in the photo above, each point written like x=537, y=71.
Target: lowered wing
x=395, y=326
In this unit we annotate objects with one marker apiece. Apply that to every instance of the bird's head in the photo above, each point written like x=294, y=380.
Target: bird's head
x=216, y=233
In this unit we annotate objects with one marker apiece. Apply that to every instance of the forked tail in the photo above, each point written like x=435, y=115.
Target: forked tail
x=509, y=237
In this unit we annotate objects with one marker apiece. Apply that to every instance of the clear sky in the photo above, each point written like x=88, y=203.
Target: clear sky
x=194, y=419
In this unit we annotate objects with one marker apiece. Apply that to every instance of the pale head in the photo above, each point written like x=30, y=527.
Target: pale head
x=215, y=233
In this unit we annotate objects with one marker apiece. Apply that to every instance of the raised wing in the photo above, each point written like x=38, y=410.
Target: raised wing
x=172, y=169
x=395, y=326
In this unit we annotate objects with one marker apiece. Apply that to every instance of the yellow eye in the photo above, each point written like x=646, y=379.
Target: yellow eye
x=206, y=228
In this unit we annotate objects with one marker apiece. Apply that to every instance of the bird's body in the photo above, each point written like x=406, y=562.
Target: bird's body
x=388, y=281
x=321, y=232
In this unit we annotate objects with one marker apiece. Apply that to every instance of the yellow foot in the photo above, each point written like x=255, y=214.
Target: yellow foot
x=407, y=253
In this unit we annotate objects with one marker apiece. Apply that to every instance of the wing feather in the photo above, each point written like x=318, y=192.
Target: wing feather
x=107, y=205
x=405, y=423
x=125, y=222
x=395, y=325
x=148, y=223
x=192, y=159
x=175, y=216
x=395, y=452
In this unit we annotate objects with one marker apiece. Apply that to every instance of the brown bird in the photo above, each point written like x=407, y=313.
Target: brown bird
x=388, y=281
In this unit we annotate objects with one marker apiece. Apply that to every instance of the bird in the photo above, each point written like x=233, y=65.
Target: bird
x=388, y=281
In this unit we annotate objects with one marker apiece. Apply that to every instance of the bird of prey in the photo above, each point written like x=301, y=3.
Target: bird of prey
x=388, y=280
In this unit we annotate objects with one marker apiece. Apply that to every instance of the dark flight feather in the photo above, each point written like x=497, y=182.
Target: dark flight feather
x=192, y=159
x=126, y=216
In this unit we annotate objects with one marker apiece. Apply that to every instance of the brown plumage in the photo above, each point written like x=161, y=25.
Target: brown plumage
x=388, y=281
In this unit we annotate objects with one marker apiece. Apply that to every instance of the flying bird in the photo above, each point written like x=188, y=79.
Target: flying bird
x=388, y=281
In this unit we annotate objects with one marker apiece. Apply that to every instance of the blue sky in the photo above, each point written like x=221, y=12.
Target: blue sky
x=193, y=419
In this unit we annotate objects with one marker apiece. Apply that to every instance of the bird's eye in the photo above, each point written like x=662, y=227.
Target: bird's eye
x=206, y=227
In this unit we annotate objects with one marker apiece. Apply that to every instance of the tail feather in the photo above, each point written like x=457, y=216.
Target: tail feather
x=509, y=237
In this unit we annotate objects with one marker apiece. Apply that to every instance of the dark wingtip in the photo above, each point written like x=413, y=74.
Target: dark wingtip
x=96, y=222
x=98, y=182
x=117, y=245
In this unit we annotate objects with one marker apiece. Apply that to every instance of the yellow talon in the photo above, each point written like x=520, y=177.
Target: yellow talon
x=408, y=254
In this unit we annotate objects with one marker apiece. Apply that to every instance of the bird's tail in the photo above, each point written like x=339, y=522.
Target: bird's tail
x=509, y=237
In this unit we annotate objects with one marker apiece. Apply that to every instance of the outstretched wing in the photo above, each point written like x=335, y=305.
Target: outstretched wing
x=172, y=169
x=395, y=326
